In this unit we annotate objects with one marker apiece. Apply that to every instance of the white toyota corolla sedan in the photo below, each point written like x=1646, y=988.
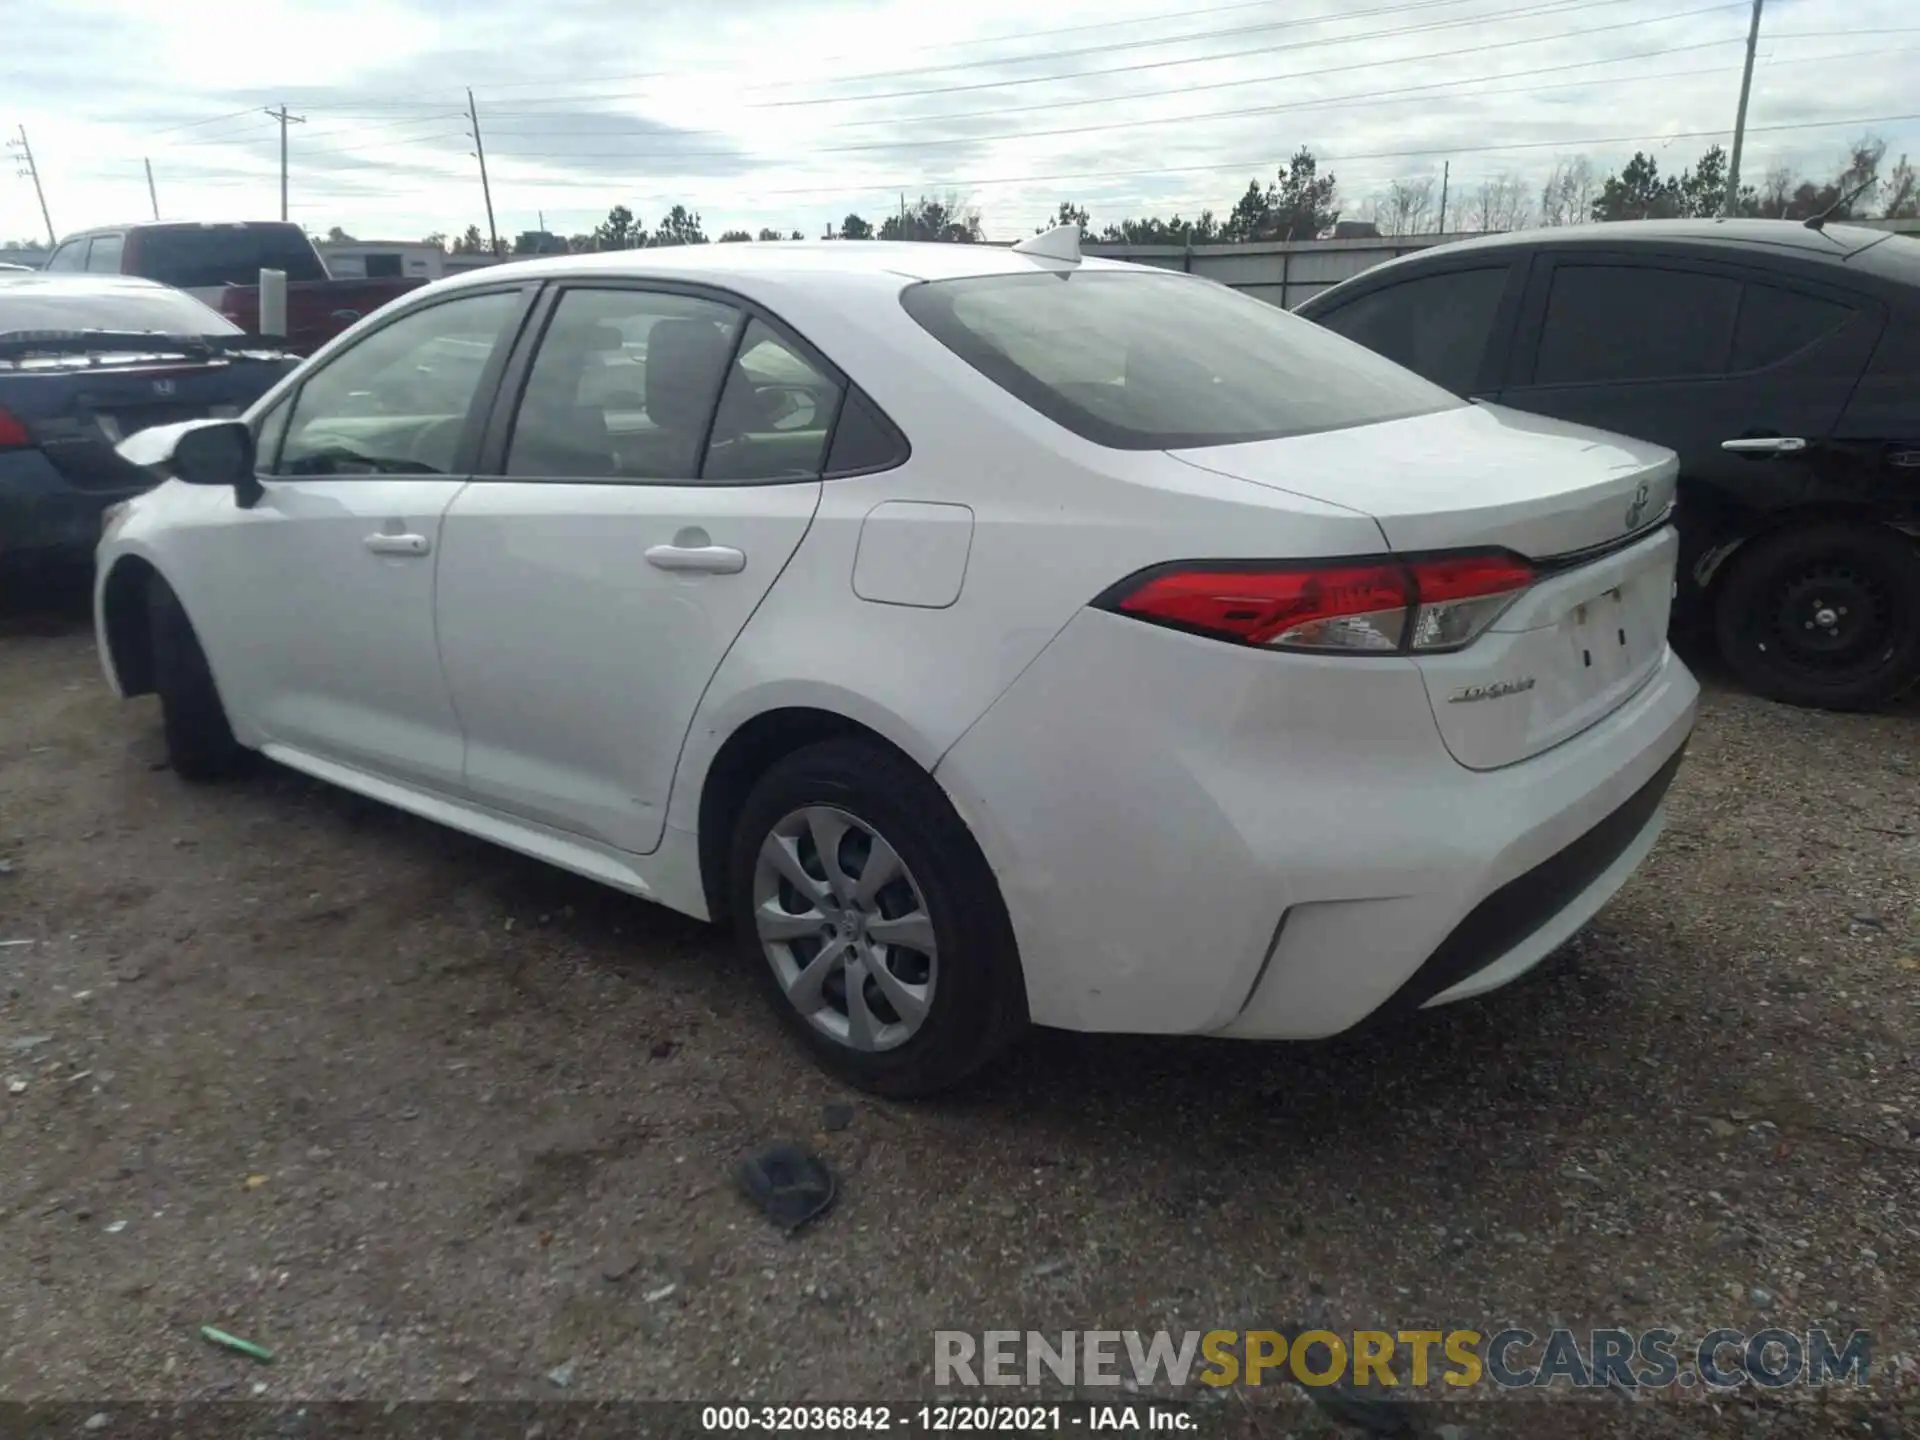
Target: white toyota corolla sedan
x=992, y=636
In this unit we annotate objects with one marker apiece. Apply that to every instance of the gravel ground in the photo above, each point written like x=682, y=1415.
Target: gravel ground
x=433, y=1120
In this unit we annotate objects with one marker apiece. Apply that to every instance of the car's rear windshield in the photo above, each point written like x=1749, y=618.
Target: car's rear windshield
x=44, y=304
x=202, y=256
x=1163, y=362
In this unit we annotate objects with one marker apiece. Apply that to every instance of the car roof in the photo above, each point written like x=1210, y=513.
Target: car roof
x=782, y=260
x=1881, y=253
x=1836, y=241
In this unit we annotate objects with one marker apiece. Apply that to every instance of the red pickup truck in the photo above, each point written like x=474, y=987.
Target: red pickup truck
x=221, y=264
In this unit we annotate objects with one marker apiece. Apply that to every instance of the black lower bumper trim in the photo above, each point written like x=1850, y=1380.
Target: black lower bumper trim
x=1524, y=904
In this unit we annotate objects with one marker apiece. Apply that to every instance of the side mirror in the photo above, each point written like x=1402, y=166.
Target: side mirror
x=199, y=452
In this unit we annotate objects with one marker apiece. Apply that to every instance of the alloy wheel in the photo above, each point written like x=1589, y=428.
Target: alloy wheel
x=844, y=925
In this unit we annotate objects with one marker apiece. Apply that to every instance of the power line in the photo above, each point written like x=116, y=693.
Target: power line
x=1533, y=10
x=1218, y=85
x=1101, y=25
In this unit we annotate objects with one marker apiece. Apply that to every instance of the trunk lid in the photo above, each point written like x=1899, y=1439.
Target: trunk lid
x=1477, y=475
x=77, y=407
x=1585, y=506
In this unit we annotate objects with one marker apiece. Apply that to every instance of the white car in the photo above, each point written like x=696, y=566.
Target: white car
x=992, y=636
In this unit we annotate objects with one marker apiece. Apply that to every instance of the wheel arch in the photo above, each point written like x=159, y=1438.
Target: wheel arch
x=1714, y=564
x=755, y=745
x=125, y=635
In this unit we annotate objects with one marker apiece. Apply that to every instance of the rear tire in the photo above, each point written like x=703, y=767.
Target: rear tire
x=200, y=743
x=935, y=991
x=1825, y=617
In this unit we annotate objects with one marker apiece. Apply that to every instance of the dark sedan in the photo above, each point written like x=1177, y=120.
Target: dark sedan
x=1781, y=362
x=85, y=361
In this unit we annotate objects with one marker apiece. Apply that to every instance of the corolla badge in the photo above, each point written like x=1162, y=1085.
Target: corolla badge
x=1493, y=690
x=1637, y=508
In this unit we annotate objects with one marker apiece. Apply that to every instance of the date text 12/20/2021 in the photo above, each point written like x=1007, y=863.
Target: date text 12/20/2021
x=942, y=1419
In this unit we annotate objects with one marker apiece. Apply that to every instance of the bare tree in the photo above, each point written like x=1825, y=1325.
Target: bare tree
x=1405, y=207
x=1567, y=197
x=1902, y=199
x=1776, y=192
x=1502, y=202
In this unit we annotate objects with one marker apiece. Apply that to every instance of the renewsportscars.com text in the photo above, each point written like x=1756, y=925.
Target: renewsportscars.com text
x=1509, y=1359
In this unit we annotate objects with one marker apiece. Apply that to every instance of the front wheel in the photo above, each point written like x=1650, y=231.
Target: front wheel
x=873, y=920
x=1828, y=616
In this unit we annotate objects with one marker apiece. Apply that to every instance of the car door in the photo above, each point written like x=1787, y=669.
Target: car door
x=316, y=602
x=660, y=466
x=1448, y=325
x=1743, y=371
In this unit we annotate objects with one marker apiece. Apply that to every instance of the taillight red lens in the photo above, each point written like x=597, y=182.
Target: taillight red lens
x=13, y=435
x=1385, y=606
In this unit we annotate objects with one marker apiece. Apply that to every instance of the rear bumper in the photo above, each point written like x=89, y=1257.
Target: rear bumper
x=42, y=515
x=1195, y=838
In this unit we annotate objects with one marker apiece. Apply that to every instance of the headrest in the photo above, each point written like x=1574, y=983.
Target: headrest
x=685, y=359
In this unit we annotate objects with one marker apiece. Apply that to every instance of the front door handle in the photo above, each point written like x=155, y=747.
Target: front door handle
x=700, y=559
x=382, y=543
x=1765, y=445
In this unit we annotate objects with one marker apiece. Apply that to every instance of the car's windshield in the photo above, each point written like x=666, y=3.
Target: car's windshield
x=1149, y=362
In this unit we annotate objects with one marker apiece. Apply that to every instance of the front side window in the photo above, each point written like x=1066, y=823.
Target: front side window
x=623, y=387
x=396, y=403
x=1437, y=326
x=1151, y=362
x=1612, y=323
x=70, y=256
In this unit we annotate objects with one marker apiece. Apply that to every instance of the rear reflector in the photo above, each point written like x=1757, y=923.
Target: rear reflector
x=13, y=435
x=1380, y=607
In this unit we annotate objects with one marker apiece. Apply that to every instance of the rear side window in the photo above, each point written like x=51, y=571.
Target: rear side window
x=1624, y=322
x=864, y=440
x=1437, y=326
x=775, y=414
x=203, y=256
x=104, y=257
x=1776, y=323
x=623, y=387
x=1150, y=362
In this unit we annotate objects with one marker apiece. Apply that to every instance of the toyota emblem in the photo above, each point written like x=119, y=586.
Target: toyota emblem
x=1637, y=508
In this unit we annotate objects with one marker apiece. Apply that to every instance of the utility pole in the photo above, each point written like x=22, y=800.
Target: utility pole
x=285, y=119
x=153, y=196
x=1740, y=115
x=903, y=215
x=480, y=154
x=31, y=171
x=1446, y=175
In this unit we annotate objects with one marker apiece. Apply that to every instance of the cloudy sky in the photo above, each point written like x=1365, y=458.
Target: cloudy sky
x=792, y=113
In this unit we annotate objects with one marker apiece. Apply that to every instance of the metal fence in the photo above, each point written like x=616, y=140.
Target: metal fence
x=1281, y=272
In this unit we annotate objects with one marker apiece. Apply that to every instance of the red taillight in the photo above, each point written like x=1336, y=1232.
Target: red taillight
x=1384, y=606
x=13, y=435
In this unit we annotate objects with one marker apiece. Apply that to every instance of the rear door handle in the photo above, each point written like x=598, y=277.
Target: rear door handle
x=701, y=559
x=1765, y=445
x=382, y=543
